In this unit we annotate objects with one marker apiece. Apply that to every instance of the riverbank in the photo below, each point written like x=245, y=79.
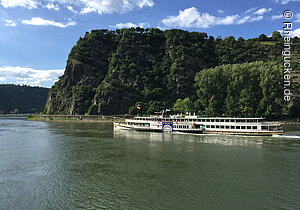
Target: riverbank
x=76, y=118
x=120, y=118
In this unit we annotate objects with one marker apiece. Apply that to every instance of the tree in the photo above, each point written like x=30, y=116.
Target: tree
x=248, y=89
x=262, y=37
x=276, y=35
x=183, y=106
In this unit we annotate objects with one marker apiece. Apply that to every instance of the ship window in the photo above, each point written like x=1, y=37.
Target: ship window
x=227, y=127
x=254, y=127
x=222, y=120
x=232, y=127
x=238, y=127
x=212, y=120
x=222, y=126
x=226, y=120
x=272, y=128
x=243, y=127
x=217, y=120
x=212, y=126
x=217, y=126
x=248, y=127
x=208, y=126
x=231, y=120
x=264, y=127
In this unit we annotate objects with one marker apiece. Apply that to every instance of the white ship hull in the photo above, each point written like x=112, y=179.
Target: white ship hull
x=194, y=124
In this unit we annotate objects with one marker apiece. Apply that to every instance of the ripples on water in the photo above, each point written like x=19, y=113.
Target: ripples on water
x=80, y=165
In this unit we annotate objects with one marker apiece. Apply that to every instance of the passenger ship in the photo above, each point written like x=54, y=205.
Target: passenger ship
x=202, y=125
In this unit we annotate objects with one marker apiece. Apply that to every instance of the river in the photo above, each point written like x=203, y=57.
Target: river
x=48, y=165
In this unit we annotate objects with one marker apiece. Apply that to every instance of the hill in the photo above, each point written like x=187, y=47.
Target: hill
x=22, y=99
x=111, y=72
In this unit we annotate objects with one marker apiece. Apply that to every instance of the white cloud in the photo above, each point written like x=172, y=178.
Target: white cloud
x=29, y=76
x=42, y=22
x=262, y=11
x=52, y=6
x=297, y=18
x=258, y=18
x=220, y=11
x=71, y=9
x=250, y=10
x=107, y=6
x=10, y=23
x=192, y=18
x=286, y=1
x=276, y=17
x=111, y=6
x=29, y=4
x=295, y=32
x=129, y=25
x=86, y=6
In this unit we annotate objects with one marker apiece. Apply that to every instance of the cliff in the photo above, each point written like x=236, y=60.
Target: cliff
x=110, y=72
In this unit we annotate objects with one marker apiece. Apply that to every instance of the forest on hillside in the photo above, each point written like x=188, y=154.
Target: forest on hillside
x=112, y=72
x=16, y=99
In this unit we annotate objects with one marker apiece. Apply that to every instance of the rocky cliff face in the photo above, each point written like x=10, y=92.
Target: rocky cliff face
x=108, y=72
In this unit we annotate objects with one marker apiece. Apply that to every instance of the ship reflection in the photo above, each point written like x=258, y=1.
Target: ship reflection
x=227, y=140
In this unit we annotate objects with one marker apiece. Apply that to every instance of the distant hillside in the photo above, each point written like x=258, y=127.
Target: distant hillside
x=22, y=99
x=111, y=72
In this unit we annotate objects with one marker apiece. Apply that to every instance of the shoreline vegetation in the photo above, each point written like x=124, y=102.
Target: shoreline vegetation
x=77, y=118
x=112, y=118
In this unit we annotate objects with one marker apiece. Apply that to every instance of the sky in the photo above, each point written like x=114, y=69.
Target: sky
x=37, y=36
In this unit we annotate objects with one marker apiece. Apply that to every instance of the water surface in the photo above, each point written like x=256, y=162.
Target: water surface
x=88, y=165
